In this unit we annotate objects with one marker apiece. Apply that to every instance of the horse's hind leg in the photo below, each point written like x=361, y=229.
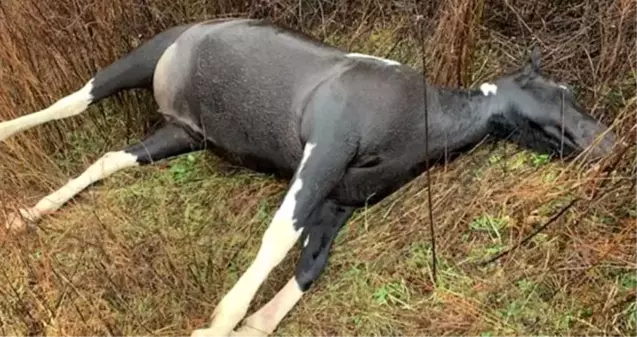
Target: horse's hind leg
x=169, y=141
x=68, y=106
x=133, y=70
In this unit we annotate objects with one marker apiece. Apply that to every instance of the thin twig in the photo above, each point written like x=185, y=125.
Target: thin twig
x=532, y=235
x=420, y=19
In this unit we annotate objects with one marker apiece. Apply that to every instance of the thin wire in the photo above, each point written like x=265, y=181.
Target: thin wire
x=434, y=270
x=562, y=124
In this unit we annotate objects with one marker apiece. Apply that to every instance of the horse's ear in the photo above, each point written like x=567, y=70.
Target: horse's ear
x=532, y=67
x=536, y=59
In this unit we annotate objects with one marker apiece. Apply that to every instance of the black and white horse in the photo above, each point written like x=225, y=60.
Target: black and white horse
x=346, y=129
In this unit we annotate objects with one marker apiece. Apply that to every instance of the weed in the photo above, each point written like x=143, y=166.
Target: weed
x=539, y=159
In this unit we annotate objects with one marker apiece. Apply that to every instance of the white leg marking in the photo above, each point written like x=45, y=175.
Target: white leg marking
x=102, y=168
x=266, y=320
x=278, y=239
x=68, y=106
x=488, y=88
x=384, y=60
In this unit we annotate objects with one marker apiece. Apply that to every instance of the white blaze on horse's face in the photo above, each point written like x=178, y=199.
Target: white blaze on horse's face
x=488, y=88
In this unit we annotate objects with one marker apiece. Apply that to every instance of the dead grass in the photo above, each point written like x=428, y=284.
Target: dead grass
x=152, y=250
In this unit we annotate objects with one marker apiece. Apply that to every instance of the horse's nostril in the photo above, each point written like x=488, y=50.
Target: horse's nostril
x=604, y=146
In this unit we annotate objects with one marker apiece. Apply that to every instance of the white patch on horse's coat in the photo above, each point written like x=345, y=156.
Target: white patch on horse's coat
x=286, y=211
x=162, y=88
x=102, y=168
x=268, y=317
x=307, y=241
x=68, y=106
x=169, y=80
x=278, y=239
x=488, y=88
x=384, y=60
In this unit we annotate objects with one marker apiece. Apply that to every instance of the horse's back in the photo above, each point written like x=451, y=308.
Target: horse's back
x=242, y=85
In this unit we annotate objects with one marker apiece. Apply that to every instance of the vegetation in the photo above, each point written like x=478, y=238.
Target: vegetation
x=152, y=250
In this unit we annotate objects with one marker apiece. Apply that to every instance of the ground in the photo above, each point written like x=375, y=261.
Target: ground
x=152, y=250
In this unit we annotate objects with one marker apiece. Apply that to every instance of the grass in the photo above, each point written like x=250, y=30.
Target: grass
x=152, y=250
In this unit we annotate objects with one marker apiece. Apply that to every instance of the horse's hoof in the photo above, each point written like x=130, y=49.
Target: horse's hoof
x=16, y=222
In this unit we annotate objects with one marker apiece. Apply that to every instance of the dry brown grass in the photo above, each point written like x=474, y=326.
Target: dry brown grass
x=152, y=250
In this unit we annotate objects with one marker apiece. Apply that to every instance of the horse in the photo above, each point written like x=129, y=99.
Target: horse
x=344, y=129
